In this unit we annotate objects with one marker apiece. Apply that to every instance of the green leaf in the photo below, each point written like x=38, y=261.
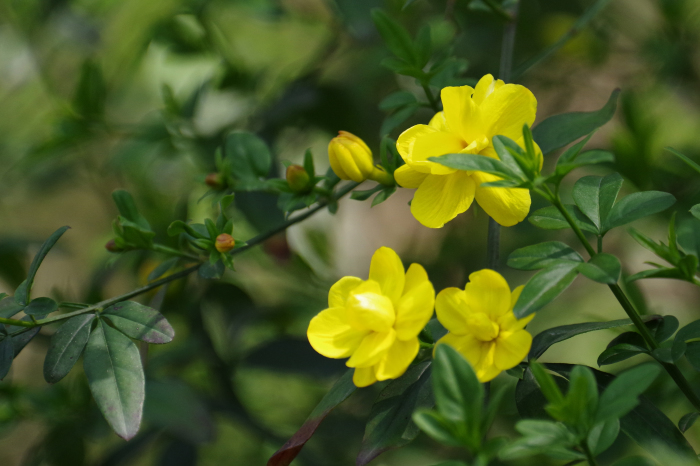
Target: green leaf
x=546, y=382
x=209, y=271
x=687, y=333
x=41, y=307
x=140, y=322
x=695, y=210
x=390, y=424
x=571, y=153
x=635, y=461
x=547, y=338
x=692, y=353
x=395, y=36
x=621, y=395
x=512, y=155
x=383, y=195
x=687, y=421
x=559, y=130
x=127, y=209
x=90, y=93
x=112, y=363
x=397, y=99
x=544, y=287
x=66, y=346
x=162, y=268
x=542, y=437
x=423, y=46
x=24, y=291
x=476, y=163
x=549, y=218
x=662, y=329
x=366, y=194
x=595, y=196
x=657, y=273
x=619, y=353
x=602, y=268
x=9, y=307
x=603, y=435
x=7, y=355
x=543, y=255
x=397, y=118
x=636, y=206
x=687, y=160
x=590, y=157
x=249, y=157
x=340, y=391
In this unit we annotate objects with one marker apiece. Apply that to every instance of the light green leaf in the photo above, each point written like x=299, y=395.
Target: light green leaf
x=140, y=322
x=112, y=363
x=437, y=427
x=595, y=196
x=544, y=287
x=603, y=435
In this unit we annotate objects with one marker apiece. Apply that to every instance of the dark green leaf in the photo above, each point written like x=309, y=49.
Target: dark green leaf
x=595, y=196
x=90, y=94
x=423, y=46
x=657, y=273
x=662, y=329
x=687, y=421
x=621, y=395
x=174, y=406
x=41, y=307
x=695, y=210
x=590, y=157
x=24, y=291
x=547, y=338
x=603, y=435
x=476, y=162
x=9, y=307
x=397, y=99
x=7, y=354
x=542, y=437
x=692, y=353
x=140, y=322
x=366, y=194
x=127, y=209
x=547, y=384
x=549, y=218
x=602, y=268
x=619, y=353
x=112, y=363
x=687, y=160
x=635, y=461
x=162, y=268
x=342, y=389
x=383, y=195
x=390, y=424
x=249, y=158
x=636, y=206
x=397, y=118
x=559, y=130
x=687, y=333
x=544, y=287
x=209, y=271
x=66, y=346
x=570, y=155
x=395, y=37
x=542, y=255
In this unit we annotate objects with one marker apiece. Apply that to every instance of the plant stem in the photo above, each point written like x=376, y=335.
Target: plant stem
x=173, y=252
x=493, y=241
x=589, y=455
x=600, y=244
x=84, y=309
x=431, y=98
x=628, y=307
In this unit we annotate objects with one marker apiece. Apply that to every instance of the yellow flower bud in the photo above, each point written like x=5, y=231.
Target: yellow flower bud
x=350, y=157
x=298, y=179
x=224, y=242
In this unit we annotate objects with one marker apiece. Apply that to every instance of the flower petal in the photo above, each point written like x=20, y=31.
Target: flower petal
x=338, y=294
x=466, y=345
x=440, y=198
x=387, y=269
x=434, y=145
x=489, y=293
x=507, y=206
x=414, y=311
x=507, y=109
x=363, y=376
x=484, y=87
x=486, y=368
x=439, y=122
x=511, y=348
x=372, y=348
x=415, y=276
x=407, y=177
x=451, y=308
x=397, y=359
x=331, y=335
x=462, y=114
x=347, y=163
x=408, y=138
x=370, y=311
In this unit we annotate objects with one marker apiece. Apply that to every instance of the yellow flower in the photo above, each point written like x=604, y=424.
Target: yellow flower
x=470, y=120
x=481, y=323
x=351, y=159
x=375, y=322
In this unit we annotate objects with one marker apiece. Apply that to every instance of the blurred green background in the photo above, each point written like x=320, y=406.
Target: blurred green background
x=103, y=94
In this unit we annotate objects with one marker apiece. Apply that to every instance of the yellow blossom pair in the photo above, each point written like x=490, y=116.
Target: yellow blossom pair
x=376, y=322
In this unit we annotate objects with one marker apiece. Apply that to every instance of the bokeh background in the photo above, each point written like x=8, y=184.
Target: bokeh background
x=164, y=80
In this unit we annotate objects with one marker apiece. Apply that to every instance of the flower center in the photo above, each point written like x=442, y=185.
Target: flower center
x=482, y=327
x=370, y=311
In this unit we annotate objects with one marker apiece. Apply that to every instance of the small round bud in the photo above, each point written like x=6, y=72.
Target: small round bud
x=214, y=180
x=298, y=179
x=224, y=242
x=112, y=246
x=350, y=157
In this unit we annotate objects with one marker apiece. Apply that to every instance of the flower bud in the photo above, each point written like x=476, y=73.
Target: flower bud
x=350, y=157
x=224, y=242
x=214, y=180
x=298, y=179
x=112, y=246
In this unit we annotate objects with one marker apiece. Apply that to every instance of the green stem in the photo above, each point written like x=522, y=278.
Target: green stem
x=628, y=307
x=73, y=305
x=589, y=455
x=183, y=273
x=173, y=252
x=600, y=244
x=431, y=98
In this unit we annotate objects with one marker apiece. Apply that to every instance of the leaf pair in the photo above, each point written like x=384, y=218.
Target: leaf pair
x=112, y=362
